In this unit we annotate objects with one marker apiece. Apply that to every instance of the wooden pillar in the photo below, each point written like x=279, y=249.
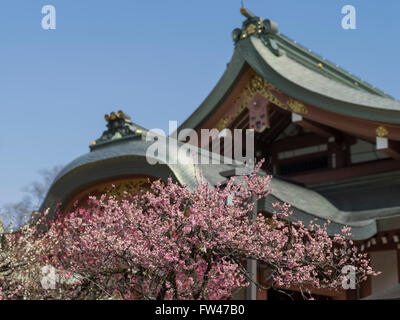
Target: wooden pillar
x=261, y=294
x=366, y=288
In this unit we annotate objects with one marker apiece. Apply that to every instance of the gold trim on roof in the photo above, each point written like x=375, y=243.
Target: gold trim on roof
x=381, y=131
x=222, y=123
x=131, y=187
x=297, y=106
x=257, y=85
x=251, y=29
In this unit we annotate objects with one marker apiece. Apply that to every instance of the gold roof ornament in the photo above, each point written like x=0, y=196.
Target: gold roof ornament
x=222, y=123
x=264, y=29
x=113, y=116
x=251, y=29
x=246, y=13
x=381, y=131
x=297, y=106
x=257, y=83
x=119, y=125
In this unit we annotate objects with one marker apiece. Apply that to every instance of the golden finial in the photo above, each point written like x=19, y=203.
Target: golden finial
x=381, y=131
x=113, y=116
x=246, y=13
x=120, y=114
x=107, y=117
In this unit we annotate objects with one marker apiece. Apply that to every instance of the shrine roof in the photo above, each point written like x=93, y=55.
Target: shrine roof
x=299, y=73
x=128, y=156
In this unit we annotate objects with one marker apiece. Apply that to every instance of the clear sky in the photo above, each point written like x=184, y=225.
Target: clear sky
x=156, y=60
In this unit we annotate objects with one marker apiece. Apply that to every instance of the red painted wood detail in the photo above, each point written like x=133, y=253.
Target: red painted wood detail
x=258, y=113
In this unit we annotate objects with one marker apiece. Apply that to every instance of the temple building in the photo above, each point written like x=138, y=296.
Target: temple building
x=330, y=140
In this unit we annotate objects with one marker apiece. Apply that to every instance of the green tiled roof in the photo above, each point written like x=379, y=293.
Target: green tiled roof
x=311, y=60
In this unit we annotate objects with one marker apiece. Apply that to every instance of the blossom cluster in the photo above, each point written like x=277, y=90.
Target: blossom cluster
x=173, y=243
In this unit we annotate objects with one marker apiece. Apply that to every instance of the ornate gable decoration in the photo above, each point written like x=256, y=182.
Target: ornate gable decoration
x=263, y=29
x=255, y=89
x=131, y=187
x=119, y=125
x=257, y=85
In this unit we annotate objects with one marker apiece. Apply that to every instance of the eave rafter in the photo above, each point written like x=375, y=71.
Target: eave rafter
x=317, y=128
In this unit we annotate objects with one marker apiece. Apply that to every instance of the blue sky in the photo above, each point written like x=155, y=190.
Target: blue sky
x=156, y=60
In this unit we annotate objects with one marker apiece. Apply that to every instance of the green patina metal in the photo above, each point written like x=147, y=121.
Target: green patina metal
x=267, y=31
x=263, y=29
x=310, y=59
x=119, y=126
